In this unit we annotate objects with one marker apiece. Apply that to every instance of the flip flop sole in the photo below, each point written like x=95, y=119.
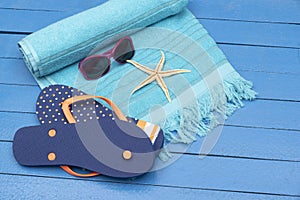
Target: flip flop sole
x=111, y=147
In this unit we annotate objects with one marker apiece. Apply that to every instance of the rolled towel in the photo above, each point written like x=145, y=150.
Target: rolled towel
x=69, y=40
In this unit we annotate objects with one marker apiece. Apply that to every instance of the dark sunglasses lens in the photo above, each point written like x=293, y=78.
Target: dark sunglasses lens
x=95, y=67
x=124, y=51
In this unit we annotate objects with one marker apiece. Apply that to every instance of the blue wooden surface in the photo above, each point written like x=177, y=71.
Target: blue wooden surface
x=258, y=153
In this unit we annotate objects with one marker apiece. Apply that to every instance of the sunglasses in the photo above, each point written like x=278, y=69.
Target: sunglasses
x=96, y=66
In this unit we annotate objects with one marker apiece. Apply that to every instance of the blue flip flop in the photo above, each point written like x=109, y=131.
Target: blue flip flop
x=78, y=131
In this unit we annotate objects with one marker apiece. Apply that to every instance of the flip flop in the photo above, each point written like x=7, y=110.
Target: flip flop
x=49, y=110
x=114, y=146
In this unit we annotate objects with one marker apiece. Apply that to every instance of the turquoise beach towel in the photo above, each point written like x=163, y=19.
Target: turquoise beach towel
x=212, y=91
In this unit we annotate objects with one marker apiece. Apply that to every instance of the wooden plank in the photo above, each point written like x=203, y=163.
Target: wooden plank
x=211, y=172
x=22, y=20
x=246, y=142
x=19, y=98
x=14, y=71
x=283, y=35
x=233, y=141
x=275, y=86
x=256, y=10
x=11, y=122
x=263, y=59
x=267, y=114
x=235, y=32
x=286, y=11
x=9, y=46
x=53, y=5
x=12, y=187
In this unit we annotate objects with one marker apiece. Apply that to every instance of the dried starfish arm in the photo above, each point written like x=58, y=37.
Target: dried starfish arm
x=161, y=63
x=157, y=75
x=173, y=72
x=147, y=81
x=163, y=86
x=141, y=67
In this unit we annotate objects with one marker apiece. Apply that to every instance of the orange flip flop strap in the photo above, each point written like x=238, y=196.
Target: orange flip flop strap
x=70, y=171
x=69, y=101
x=66, y=110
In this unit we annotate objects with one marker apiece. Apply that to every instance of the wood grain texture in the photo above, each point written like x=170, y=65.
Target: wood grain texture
x=21, y=20
x=8, y=129
x=53, y=5
x=9, y=46
x=263, y=59
x=20, y=98
x=228, y=174
x=267, y=83
x=279, y=11
x=286, y=11
x=50, y=188
x=268, y=114
x=20, y=71
x=252, y=33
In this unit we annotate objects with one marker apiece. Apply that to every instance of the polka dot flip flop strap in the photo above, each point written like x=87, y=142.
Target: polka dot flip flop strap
x=111, y=145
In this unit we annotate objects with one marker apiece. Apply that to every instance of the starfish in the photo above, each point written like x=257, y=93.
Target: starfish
x=157, y=75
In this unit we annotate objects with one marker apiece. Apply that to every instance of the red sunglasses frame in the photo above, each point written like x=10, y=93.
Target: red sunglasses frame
x=108, y=55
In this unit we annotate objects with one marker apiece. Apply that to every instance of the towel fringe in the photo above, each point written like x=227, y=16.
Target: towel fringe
x=200, y=118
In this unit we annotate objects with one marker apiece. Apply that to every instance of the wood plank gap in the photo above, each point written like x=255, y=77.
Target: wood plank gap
x=17, y=84
x=22, y=112
x=259, y=127
x=21, y=85
x=15, y=32
x=235, y=157
x=6, y=141
x=254, y=21
x=28, y=9
x=272, y=99
x=11, y=58
x=257, y=45
x=267, y=72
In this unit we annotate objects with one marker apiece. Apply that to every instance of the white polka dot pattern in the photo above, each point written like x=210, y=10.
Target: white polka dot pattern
x=48, y=106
